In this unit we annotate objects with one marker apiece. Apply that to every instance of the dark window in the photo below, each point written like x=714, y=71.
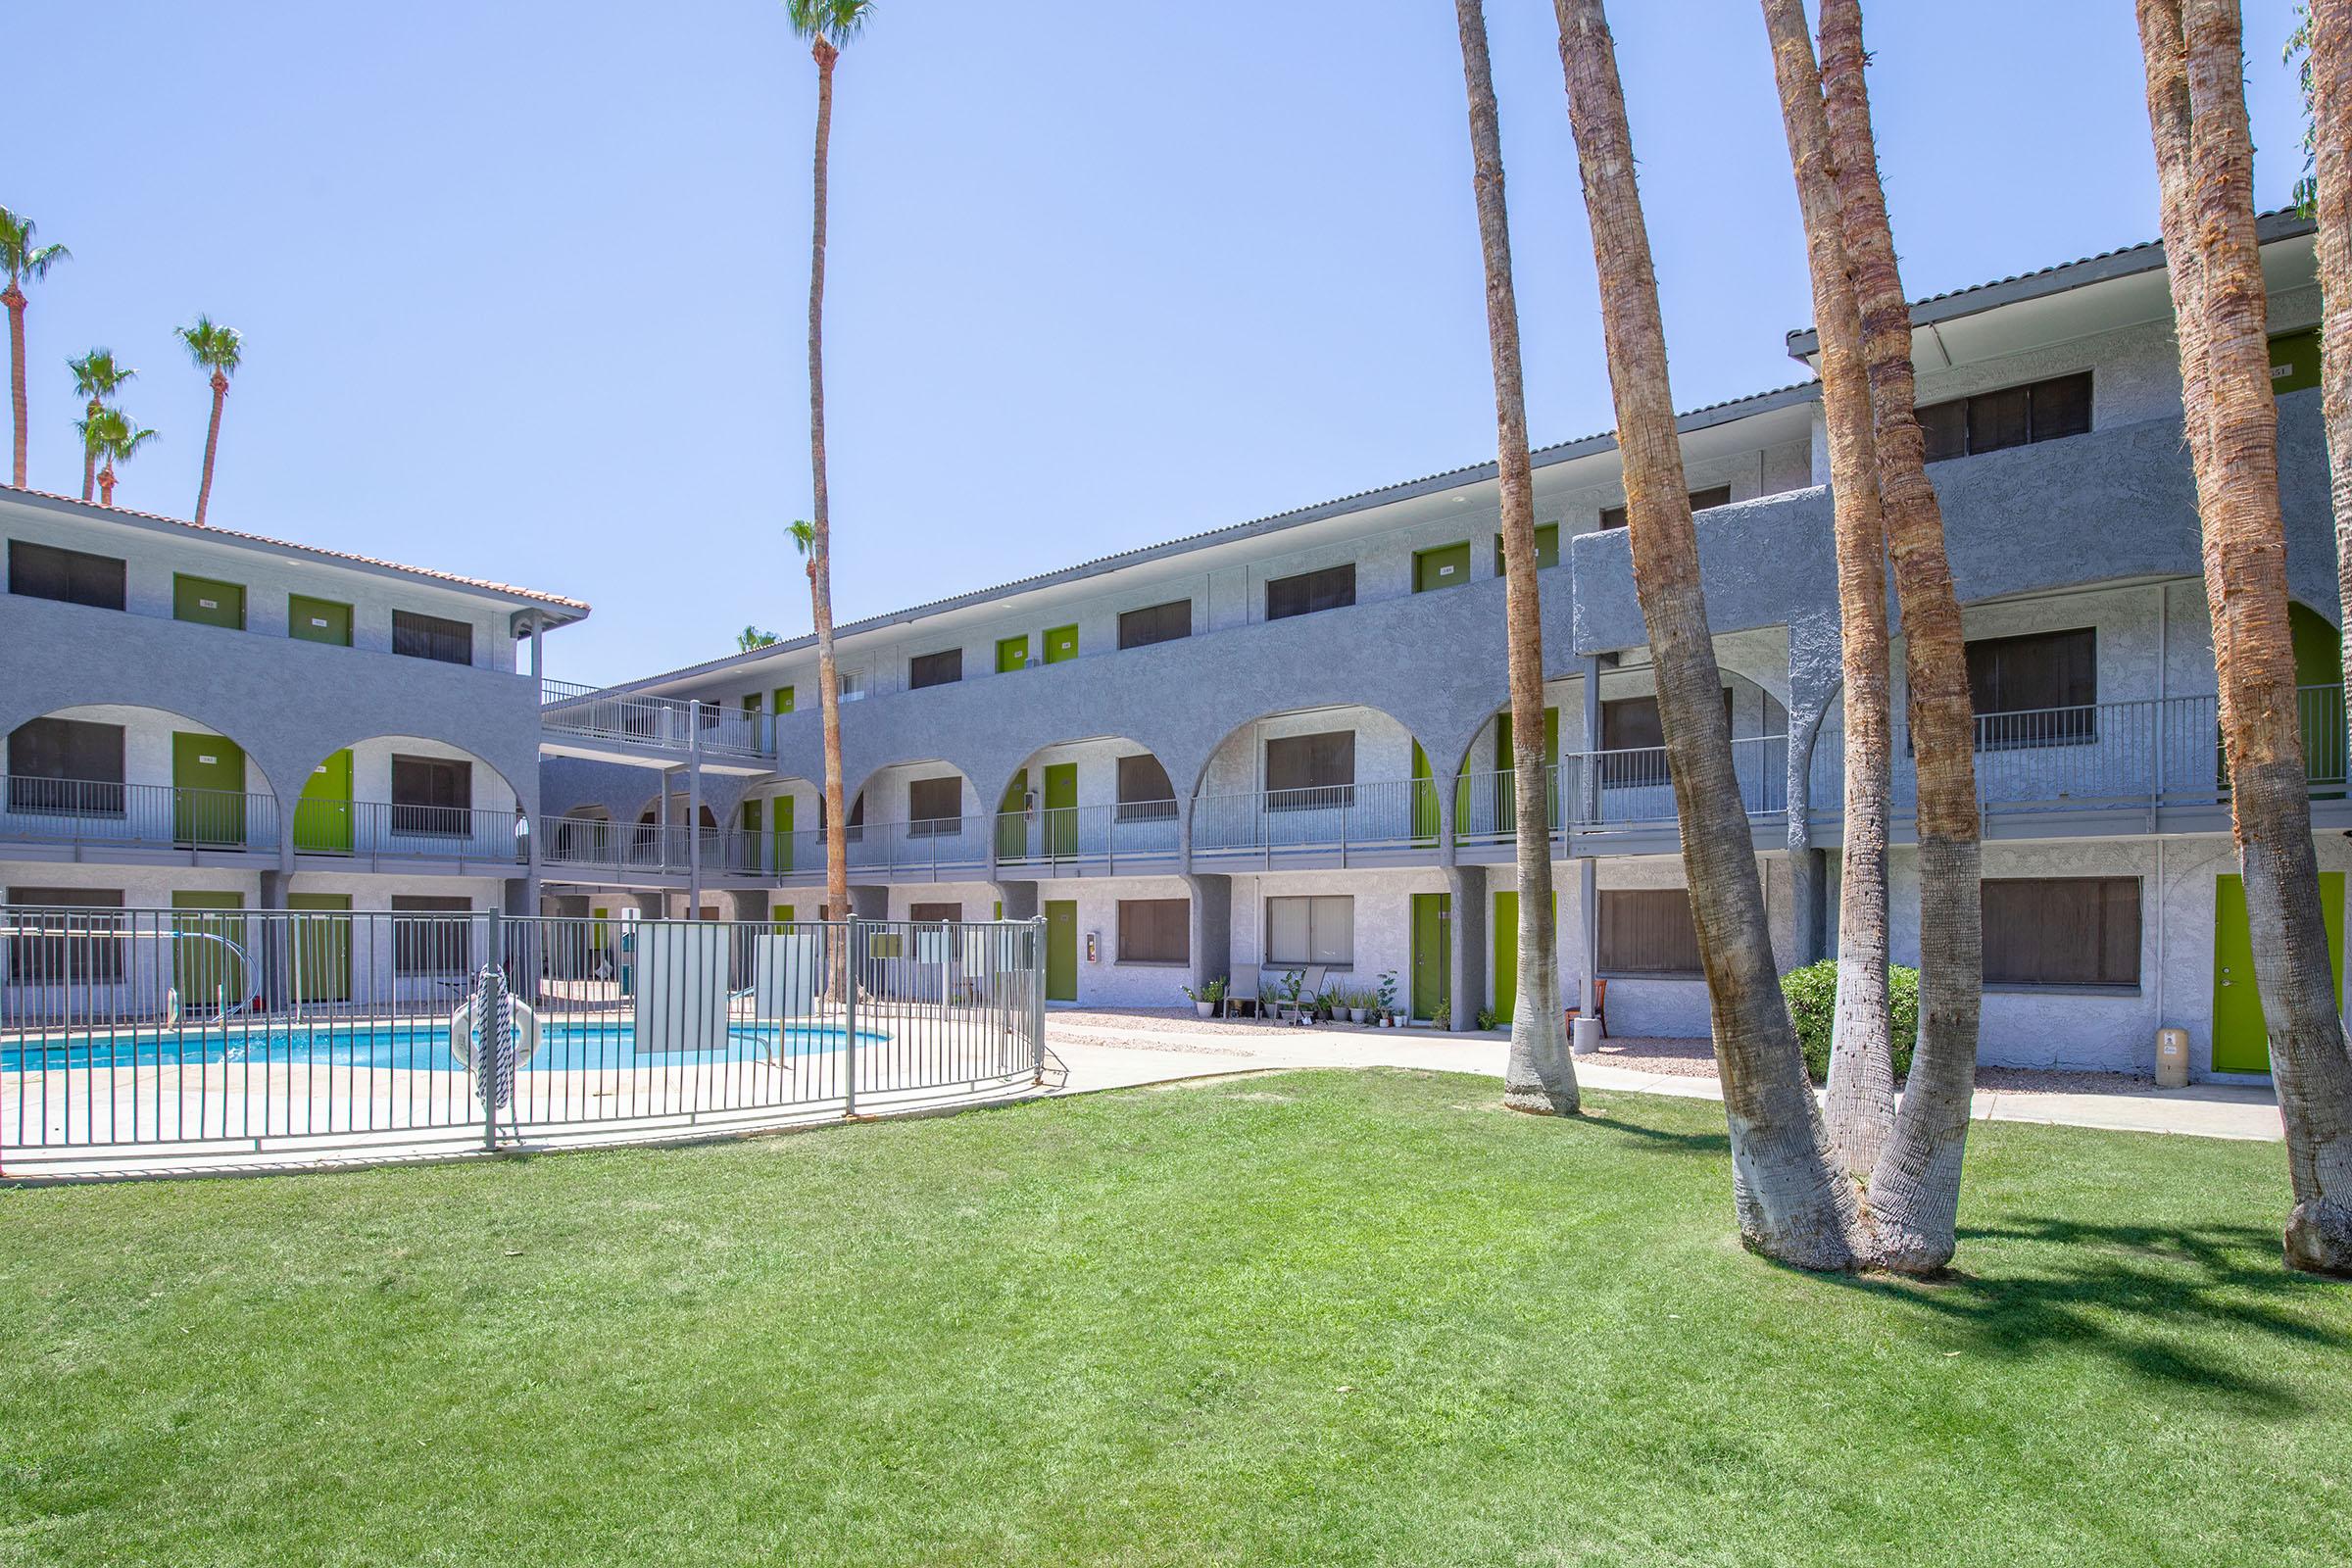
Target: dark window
x=934, y=912
x=2009, y=416
x=934, y=805
x=1310, y=772
x=1331, y=588
x=66, y=766
x=1156, y=624
x=432, y=795
x=1631, y=725
x=2034, y=690
x=435, y=938
x=44, y=572
x=943, y=668
x=1716, y=495
x=1648, y=931
x=2062, y=931
x=1145, y=793
x=1155, y=931
x=69, y=941
x=451, y=641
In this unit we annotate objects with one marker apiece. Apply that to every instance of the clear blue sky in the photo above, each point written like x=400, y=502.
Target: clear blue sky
x=522, y=284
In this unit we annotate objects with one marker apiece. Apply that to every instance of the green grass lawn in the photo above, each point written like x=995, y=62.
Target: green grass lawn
x=1321, y=1318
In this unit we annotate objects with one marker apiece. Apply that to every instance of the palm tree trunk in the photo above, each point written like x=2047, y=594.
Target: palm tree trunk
x=106, y=485
x=2194, y=58
x=1790, y=1200
x=821, y=556
x=14, y=298
x=1861, y=1096
x=89, y=457
x=1915, y=1187
x=2330, y=59
x=212, y=445
x=1538, y=1076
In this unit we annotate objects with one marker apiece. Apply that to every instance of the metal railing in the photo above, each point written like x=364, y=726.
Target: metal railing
x=375, y=830
x=667, y=722
x=55, y=810
x=166, y=1038
x=1633, y=786
x=1331, y=816
x=1139, y=833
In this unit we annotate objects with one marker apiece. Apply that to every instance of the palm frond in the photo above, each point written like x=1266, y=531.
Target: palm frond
x=96, y=374
x=19, y=257
x=212, y=346
x=837, y=21
x=804, y=535
x=110, y=434
x=751, y=637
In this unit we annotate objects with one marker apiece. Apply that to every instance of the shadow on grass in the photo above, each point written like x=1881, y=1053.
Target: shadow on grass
x=1716, y=1144
x=2147, y=1297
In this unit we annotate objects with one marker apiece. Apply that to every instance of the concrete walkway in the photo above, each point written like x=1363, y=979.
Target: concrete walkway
x=1101, y=1056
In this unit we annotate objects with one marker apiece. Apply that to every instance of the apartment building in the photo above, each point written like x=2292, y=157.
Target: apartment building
x=1274, y=746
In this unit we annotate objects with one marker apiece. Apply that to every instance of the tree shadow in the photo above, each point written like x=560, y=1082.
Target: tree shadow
x=2142, y=1294
x=1718, y=1143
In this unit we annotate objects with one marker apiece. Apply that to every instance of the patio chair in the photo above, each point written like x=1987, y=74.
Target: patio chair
x=1241, y=992
x=1600, y=1007
x=1310, y=986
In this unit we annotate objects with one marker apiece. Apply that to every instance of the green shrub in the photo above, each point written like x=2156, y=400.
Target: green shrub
x=1812, y=996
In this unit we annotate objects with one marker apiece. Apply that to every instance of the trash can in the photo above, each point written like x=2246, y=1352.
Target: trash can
x=2171, y=1058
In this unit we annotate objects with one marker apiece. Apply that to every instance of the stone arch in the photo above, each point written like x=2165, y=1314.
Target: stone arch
x=151, y=754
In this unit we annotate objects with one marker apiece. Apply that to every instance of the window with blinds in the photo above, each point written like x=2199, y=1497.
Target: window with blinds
x=2035, y=690
x=1155, y=931
x=943, y=668
x=1145, y=793
x=1310, y=772
x=1304, y=931
x=2010, y=417
x=1331, y=588
x=1715, y=495
x=1156, y=624
x=447, y=642
x=1648, y=931
x=432, y=795
x=72, y=576
x=934, y=806
x=433, y=939
x=66, y=936
x=2062, y=931
x=66, y=767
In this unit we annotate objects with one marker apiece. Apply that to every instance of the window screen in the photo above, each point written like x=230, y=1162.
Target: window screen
x=2007, y=416
x=943, y=668
x=1302, y=931
x=1156, y=624
x=72, y=940
x=1648, y=931
x=2034, y=690
x=1155, y=931
x=1310, y=772
x=66, y=766
x=1717, y=495
x=2062, y=931
x=44, y=572
x=934, y=805
x=432, y=795
x=1331, y=588
x=449, y=641
x=1145, y=793
x=434, y=938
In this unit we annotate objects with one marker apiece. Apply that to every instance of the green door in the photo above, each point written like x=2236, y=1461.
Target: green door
x=1446, y=566
x=322, y=816
x=1433, y=950
x=1506, y=758
x=208, y=603
x=321, y=950
x=2295, y=360
x=1012, y=822
x=783, y=699
x=318, y=621
x=781, y=827
x=1502, y=941
x=1425, y=799
x=1012, y=652
x=207, y=790
x=1061, y=642
x=1548, y=549
x=206, y=967
x=1062, y=949
x=2240, y=1040
x=1061, y=808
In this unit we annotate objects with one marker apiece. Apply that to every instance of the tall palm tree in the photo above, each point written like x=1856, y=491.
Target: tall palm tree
x=2326, y=37
x=1915, y=1186
x=217, y=349
x=111, y=438
x=24, y=261
x=1791, y=1201
x=96, y=378
x=1861, y=1096
x=828, y=26
x=1539, y=1075
x=2194, y=58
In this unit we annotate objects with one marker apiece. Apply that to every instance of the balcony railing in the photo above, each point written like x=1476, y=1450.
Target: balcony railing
x=57, y=810
x=667, y=723
x=580, y=841
x=1132, y=832
x=376, y=830
x=1389, y=813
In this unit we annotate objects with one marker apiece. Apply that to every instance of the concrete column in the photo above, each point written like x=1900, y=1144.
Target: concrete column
x=274, y=956
x=1466, y=988
x=694, y=808
x=1588, y=907
x=1212, y=928
x=538, y=664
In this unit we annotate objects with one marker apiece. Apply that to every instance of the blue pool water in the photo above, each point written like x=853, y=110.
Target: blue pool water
x=564, y=1047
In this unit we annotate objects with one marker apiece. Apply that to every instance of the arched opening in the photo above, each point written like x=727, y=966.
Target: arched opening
x=1100, y=800
x=1314, y=779
x=916, y=816
x=407, y=797
x=145, y=777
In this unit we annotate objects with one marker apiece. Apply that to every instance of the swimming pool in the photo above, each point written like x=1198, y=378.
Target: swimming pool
x=360, y=1043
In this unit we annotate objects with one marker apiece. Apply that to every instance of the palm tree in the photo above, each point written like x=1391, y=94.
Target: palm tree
x=217, y=349
x=1915, y=1186
x=1861, y=1096
x=1539, y=1075
x=2205, y=161
x=828, y=26
x=1792, y=1203
x=751, y=637
x=110, y=438
x=23, y=261
x=2325, y=36
x=96, y=378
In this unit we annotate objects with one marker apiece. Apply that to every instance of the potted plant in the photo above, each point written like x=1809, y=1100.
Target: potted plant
x=1358, y=1002
x=1388, y=999
x=1440, y=1018
x=1210, y=998
x=1268, y=999
x=1294, y=981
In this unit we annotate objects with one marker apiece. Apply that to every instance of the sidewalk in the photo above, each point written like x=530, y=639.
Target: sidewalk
x=1102, y=1056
